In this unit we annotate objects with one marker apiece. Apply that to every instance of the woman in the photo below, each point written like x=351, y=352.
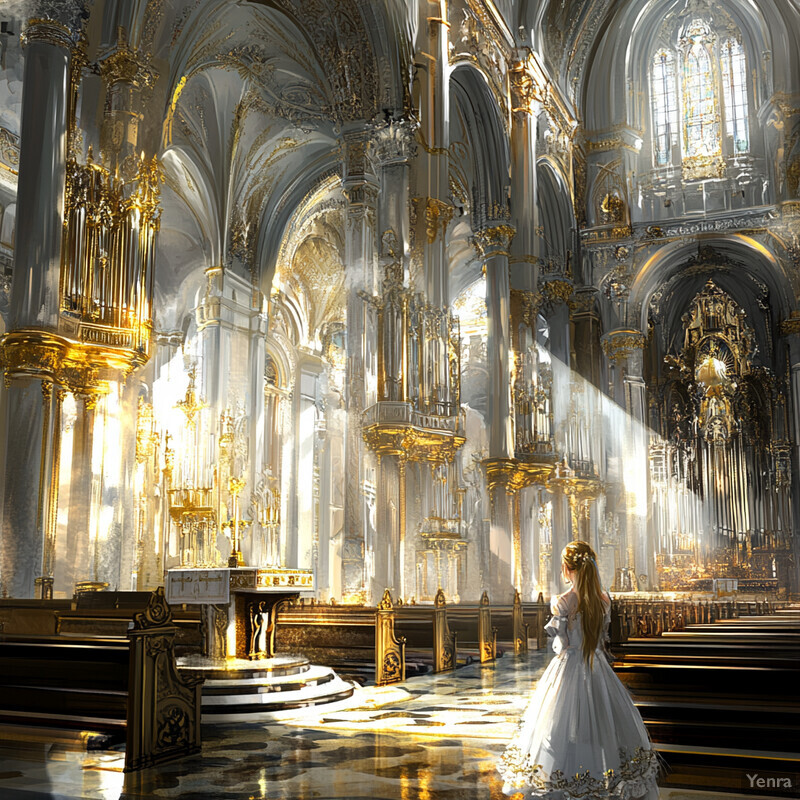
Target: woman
x=581, y=737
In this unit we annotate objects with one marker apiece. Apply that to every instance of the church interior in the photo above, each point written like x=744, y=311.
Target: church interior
x=327, y=324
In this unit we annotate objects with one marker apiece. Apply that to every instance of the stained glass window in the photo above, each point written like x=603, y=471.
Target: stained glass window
x=701, y=134
x=664, y=105
x=734, y=85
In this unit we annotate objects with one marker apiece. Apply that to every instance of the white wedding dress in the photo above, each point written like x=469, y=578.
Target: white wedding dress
x=581, y=737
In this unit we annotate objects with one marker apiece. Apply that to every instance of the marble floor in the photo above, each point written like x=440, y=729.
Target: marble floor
x=436, y=737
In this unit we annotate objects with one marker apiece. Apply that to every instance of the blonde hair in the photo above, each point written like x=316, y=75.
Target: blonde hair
x=580, y=558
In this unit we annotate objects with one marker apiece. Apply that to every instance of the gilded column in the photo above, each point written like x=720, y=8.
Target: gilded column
x=31, y=410
x=359, y=185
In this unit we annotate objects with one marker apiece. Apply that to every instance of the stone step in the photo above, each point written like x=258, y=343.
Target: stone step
x=247, y=692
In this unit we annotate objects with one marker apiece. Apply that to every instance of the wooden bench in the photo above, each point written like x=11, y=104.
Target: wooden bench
x=472, y=624
x=97, y=614
x=358, y=639
x=427, y=633
x=514, y=630
x=124, y=685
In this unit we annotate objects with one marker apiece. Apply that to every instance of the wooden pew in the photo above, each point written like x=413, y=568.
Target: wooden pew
x=472, y=624
x=512, y=630
x=718, y=685
x=358, y=639
x=125, y=685
x=428, y=635
x=110, y=613
x=536, y=615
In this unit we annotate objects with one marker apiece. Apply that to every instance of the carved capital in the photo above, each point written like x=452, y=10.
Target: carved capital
x=582, y=301
x=556, y=291
x=523, y=87
x=621, y=344
x=529, y=303
x=494, y=240
x=394, y=143
x=790, y=326
x=124, y=65
x=55, y=22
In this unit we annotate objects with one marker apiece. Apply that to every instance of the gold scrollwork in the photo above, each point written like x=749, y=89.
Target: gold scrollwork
x=557, y=291
x=619, y=345
x=81, y=367
x=437, y=215
x=513, y=475
x=790, y=326
x=123, y=65
x=494, y=240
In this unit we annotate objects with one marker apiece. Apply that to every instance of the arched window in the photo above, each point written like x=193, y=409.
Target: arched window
x=701, y=82
x=701, y=136
x=665, y=106
x=734, y=86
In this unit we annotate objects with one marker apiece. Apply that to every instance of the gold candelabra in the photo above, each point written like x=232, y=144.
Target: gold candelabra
x=236, y=523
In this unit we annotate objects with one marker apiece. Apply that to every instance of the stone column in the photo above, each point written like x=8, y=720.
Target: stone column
x=433, y=165
x=492, y=244
x=623, y=348
x=32, y=406
x=586, y=334
x=524, y=208
x=359, y=185
x=78, y=545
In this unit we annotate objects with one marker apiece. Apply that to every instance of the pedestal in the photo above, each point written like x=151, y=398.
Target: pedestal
x=238, y=605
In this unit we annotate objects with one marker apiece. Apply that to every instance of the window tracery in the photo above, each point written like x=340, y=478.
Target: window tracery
x=703, y=83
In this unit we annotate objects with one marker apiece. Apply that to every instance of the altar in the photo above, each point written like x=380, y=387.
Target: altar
x=239, y=604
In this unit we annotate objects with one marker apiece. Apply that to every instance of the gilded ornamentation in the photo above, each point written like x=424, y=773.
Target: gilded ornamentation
x=791, y=326
x=9, y=148
x=493, y=240
x=80, y=367
x=513, y=474
x=146, y=434
x=613, y=208
x=621, y=344
x=339, y=35
x=529, y=302
x=703, y=167
x=582, y=301
x=190, y=405
x=124, y=65
x=106, y=282
x=156, y=615
x=523, y=87
x=437, y=215
x=557, y=291
x=636, y=772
